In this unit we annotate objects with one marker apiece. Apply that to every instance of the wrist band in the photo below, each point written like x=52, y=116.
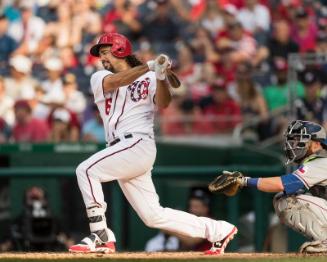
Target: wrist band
x=252, y=182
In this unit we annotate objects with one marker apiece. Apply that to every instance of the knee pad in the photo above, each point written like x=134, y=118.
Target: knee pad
x=301, y=216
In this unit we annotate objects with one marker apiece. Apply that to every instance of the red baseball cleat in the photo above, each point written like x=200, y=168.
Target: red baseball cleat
x=93, y=244
x=219, y=246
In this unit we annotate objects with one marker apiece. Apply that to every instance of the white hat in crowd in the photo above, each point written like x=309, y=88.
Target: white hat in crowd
x=26, y=4
x=54, y=96
x=61, y=114
x=230, y=9
x=54, y=64
x=21, y=63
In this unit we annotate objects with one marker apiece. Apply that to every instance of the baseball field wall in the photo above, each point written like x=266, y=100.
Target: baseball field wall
x=178, y=167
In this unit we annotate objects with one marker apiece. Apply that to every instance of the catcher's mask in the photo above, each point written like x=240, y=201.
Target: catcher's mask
x=297, y=139
x=120, y=45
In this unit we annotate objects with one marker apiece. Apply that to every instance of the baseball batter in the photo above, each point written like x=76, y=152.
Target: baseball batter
x=127, y=94
x=302, y=201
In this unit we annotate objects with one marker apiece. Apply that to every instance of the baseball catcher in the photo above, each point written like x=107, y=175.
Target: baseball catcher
x=301, y=202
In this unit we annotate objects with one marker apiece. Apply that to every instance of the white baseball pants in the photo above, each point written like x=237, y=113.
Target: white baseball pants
x=130, y=162
x=304, y=213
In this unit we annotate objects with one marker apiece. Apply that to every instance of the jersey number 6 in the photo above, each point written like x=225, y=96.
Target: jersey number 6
x=108, y=105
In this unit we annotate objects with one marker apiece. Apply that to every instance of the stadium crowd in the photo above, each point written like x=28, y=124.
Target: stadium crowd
x=231, y=56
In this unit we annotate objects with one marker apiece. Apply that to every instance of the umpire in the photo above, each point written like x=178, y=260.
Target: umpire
x=301, y=203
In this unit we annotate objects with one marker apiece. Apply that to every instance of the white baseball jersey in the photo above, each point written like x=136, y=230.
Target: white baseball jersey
x=313, y=172
x=128, y=109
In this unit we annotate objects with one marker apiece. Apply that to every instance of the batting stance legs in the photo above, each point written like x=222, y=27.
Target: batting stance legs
x=130, y=162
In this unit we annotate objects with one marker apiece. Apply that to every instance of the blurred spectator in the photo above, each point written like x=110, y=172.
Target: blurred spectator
x=280, y=45
x=36, y=229
x=255, y=19
x=5, y=133
x=71, y=64
x=122, y=18
x=221, y=112
x=252, y=103
x=190, y=73
x=276, y=95
x=162, y=242
x=160, y=29
x=212, y=19
x=276, y=240
x=202, y=87
x=184, y=117
x=54, y=68
x=322, y=20
x=207, y=40
x=230, y=13
x=47, y=10
x=86, y=22
x=29, y=30
x=311, y=107
x=20, y=84
x=199, y=204
x=7, y=44
x=45, y=49
x=11, y=10
x=74, y=99
x=40, y=109
x=191, y=118
x=202, y=46
x=304, y=31
x=62, y=29
x=64, y=126
x=172, y=119
x=321, y=43
x=285, y=10
x=93, y=130
x=6, y=105
x=27, y=128
x=240, y=44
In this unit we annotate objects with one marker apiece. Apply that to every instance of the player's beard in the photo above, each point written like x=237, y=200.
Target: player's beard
x=108, y=66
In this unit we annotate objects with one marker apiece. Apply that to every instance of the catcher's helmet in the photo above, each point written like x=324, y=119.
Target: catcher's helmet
x=120, y=45
x=297, y=137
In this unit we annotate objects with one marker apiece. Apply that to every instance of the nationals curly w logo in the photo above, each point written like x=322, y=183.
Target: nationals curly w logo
x=139, y=89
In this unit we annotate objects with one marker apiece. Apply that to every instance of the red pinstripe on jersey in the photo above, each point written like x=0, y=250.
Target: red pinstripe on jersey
x=97, y=161
x=122, y=111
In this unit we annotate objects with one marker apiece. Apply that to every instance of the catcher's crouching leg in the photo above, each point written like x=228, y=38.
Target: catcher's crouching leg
x=307, y=215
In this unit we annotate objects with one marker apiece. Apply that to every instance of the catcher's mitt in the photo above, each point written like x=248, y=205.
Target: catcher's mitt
x=228, y=183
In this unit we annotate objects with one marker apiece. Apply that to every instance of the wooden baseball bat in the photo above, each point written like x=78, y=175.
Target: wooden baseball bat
x=173, y=79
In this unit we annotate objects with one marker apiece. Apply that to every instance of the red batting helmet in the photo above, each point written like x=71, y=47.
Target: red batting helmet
x=120, y=45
